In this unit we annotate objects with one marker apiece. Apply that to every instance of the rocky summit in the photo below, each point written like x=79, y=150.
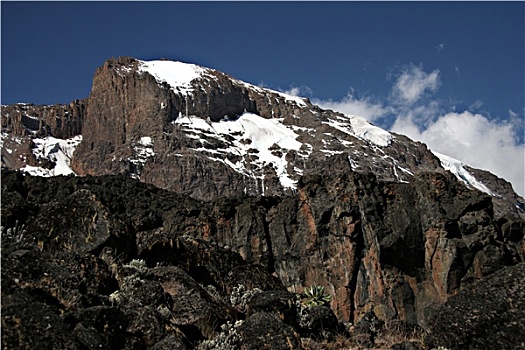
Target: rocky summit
x=179, y=208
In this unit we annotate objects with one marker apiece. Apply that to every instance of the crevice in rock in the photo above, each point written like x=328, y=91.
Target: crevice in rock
x=45, y=297
x=359, y=254
x=123, y=247
x=268, y=240
x=452, y=229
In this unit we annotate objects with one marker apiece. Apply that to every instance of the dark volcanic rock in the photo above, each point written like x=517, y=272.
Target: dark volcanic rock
x=266, y=331
x=487, y=315
x=30, y=323
x=319, y=322
x=186, y=296
x=367, y=329
x=72, y=277
x=506, y=199
x=281, y=303
x=92, y=249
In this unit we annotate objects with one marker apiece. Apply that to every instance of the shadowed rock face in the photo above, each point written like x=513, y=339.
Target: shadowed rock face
x=493, y=306
x=62, y=121
x=393, y=248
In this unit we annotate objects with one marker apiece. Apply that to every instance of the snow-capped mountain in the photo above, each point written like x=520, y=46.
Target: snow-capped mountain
x=201, y=132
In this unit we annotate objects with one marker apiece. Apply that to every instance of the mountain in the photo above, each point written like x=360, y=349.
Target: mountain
x=201, y=132
x=186, y=168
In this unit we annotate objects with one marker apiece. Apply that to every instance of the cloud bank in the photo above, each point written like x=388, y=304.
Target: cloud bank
x=475, y=140
x=413, y=82
x=365, y=107
x=412, y=109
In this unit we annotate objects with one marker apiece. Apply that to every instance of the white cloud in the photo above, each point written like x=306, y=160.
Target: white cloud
x=294, y=91
x=469, y=136
x=513, y=114
x=456, y=68
x=366, y=107
x=413, y=83
x=298, y=91
x=475, y=106
x=476, y=141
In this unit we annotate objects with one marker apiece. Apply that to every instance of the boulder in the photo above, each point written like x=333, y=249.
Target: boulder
x=486, y=315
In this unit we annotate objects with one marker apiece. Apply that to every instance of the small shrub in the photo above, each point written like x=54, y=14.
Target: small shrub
x=129, y=277
x=138, y=265
x=239, y=296
x=315, y=296
x=228, y=339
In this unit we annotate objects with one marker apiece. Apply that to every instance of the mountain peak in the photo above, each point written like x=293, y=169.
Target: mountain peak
x=210, y=135
x=177, y=75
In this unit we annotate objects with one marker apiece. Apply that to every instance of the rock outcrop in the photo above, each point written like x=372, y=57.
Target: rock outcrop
x=94, y=249
x=21, y=123
x=61, y=121
x=487, y=315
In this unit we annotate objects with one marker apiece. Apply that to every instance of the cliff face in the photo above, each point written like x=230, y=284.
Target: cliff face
x=309, y=196
x=394, y=248
x=62, y=121
x=21, y=123
x=200, y=132
x=128, y=104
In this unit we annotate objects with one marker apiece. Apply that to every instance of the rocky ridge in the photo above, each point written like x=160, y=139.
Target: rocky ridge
x=24, y=123
x=198, y=131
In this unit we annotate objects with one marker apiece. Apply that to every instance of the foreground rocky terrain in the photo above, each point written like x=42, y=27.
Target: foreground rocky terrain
x=214, y=214
x=109, y=262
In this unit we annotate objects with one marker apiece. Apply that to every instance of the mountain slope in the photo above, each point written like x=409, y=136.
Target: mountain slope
x=201, y=132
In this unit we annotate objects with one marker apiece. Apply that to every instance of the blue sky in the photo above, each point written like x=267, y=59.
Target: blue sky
x=450, y=74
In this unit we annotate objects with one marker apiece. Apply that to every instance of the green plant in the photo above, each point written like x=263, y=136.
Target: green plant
x=316, y=296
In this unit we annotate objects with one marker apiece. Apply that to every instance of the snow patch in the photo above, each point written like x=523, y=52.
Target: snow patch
x=56, y=150
x=176, y=74
x=456, y=167
x=3, y=136
x=361, y=128
x=179, y=76
x=143, y=150
x=353, y=165
x=145, y=141
x=298, y=100
x=265, y=141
